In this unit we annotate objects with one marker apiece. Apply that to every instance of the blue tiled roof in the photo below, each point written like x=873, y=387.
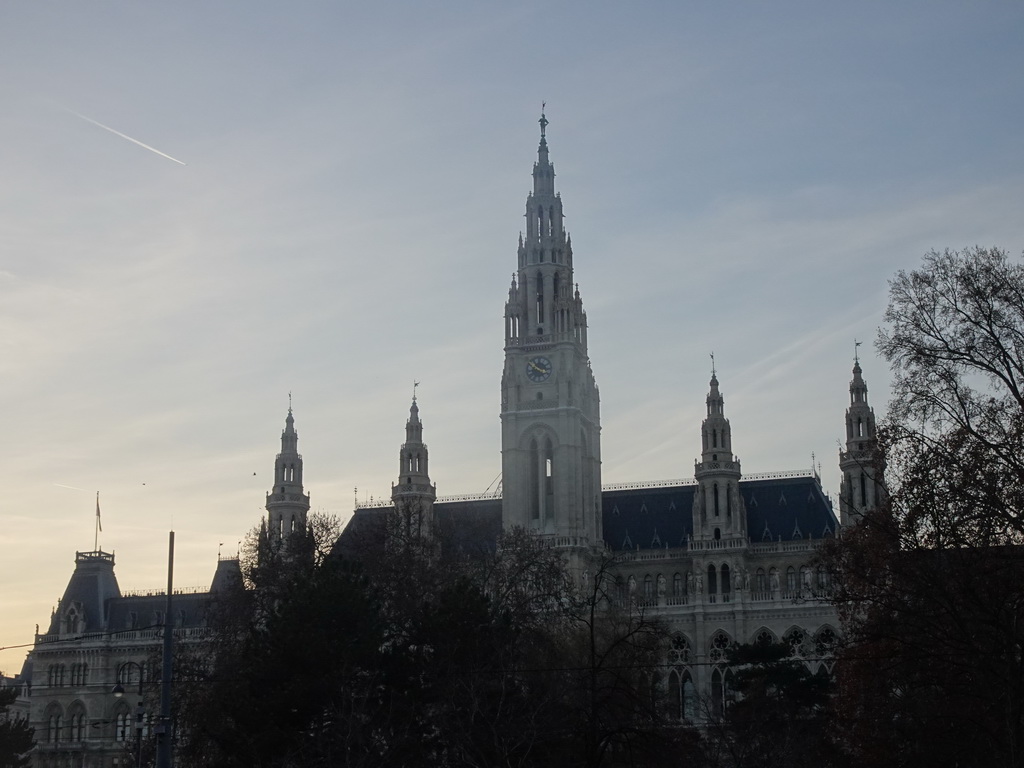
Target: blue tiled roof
x=652, y=517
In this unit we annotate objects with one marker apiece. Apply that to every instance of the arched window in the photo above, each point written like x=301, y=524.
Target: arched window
x=764, y=638
x=712, y=581
x=825, y=642
x=760, y=580
x=715, y=493
x=823, y=580
x=648, y=587
x=798, y=642
x=540, y=298
x=679, y=652
x=725, y=580
x=791, y=585
x=719, y=692
x=677, y=585
x=122, y=723
x=54, y=722
x=682, y=695
x=76, y=722
x=534, y=490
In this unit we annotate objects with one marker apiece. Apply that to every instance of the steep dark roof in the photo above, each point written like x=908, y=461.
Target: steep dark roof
x=647, y=516
x=658, y=517
x=92, y=584
x=143, y=611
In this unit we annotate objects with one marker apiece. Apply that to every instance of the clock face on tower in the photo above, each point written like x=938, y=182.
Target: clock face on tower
x=538, y=368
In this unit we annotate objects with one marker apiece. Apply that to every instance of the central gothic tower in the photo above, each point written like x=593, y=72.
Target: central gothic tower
x=550, y=409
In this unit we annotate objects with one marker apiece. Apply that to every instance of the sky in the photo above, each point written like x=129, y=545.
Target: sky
x=207, y=206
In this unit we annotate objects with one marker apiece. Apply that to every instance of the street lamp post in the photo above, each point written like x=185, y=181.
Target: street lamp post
x=140, y=711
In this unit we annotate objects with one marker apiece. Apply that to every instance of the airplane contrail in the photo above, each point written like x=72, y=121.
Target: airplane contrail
x=73, y=488
x=124, y=136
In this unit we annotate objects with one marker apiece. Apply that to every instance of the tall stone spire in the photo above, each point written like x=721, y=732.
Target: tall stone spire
x=413, y=495
x=550, y=406
x=287, y=503
x=544, y=306
x=718, y=510
x=860, y=488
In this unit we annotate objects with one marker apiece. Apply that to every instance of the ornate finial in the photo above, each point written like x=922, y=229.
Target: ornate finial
x=712, y=365
x=414, y=385
x=856, y=354
x=543, y=120
x=289, y=401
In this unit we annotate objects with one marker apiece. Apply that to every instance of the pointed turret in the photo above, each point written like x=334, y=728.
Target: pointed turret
x=718, y=510
x=544, y=308
x=287, y=503
x=550, y=405
x=860, y=488
x=413, y=495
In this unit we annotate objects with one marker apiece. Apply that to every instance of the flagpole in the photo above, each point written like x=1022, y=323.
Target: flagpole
x=99, y=525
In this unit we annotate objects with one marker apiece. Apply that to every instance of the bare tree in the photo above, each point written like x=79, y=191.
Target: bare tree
x=931, y=588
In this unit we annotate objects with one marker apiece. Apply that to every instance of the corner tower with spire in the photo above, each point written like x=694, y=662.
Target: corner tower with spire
x=860, y=487
x=718, y=510
x=550, y=408
x=287, y=503
x=413, y=495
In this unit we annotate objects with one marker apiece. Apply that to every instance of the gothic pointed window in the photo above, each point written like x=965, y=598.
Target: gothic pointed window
x=791, y=579
x=677, y=585
x=725, y=581
x=122, y=724
x=719, y=692
x=712, y=580
x=540, y=300
x=76, y=722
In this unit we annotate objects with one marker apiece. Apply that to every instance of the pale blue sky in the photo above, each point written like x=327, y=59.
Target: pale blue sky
x=737, y=177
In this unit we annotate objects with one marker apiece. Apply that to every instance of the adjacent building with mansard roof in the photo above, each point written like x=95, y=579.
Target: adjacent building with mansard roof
x=722, y=558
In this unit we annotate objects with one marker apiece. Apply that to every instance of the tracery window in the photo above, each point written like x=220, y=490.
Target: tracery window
x=825, y=642
x=679, y=653
x=799, y=643
x=677, y=585
x=764, y=638
x=720, y=644
x=760, y=580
